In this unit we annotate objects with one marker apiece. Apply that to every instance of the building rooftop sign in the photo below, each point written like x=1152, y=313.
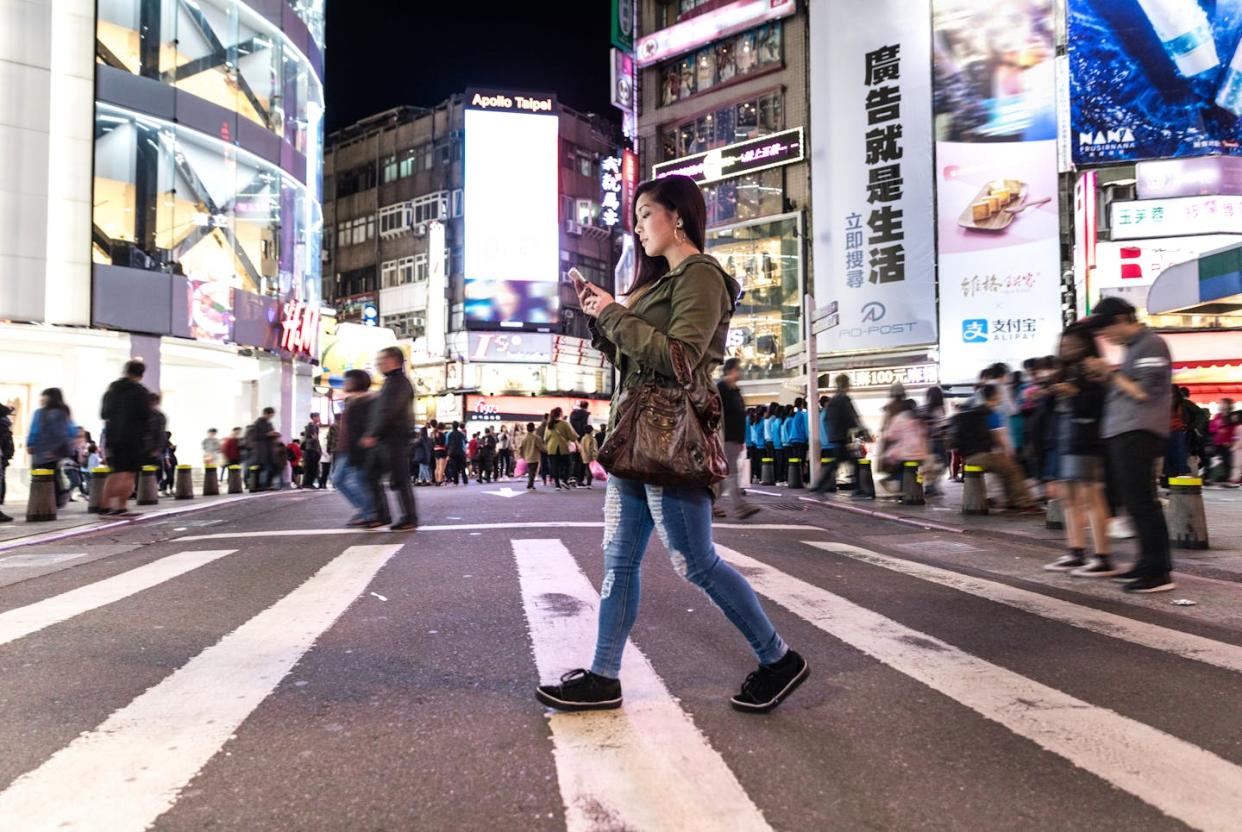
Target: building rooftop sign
x=782, y=148
x=710, y=26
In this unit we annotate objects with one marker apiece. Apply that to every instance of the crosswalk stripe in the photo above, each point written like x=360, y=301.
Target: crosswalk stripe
x=129, y=770
x=1178, y=778
x=551, y=524
x=23, y=621
x=645, y=766
x=1185, y=645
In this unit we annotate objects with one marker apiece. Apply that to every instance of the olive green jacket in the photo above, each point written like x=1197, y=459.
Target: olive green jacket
x=691, y=304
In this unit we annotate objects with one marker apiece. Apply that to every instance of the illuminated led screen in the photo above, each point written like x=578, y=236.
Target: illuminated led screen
x=512, y=245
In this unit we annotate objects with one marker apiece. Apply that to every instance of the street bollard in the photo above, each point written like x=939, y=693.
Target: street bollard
x=974, y=491
x=41, y=504
x=94, y=500
x=149, y=486
x=235, y=479
x=183, y=488
x=1187, y=521
x=795, y=473
x=252, y=481
x=1054, y=515
x=912, y=484
x=866, y=482
x=211, y=481
x=769, y=471
x=827, y=475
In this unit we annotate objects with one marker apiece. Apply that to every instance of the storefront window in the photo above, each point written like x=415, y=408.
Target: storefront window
x=738, y=122
x=169, y=199
x=744, y=54
x=765, y=259
x=744, y=197
x=217, y=50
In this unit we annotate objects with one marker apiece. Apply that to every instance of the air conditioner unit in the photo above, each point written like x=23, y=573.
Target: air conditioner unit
x=572, y=227
x=420, y=230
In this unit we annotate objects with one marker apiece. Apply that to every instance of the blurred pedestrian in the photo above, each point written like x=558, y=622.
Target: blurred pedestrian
x=6, y=453
x=312, y=451
x=562, y=440
x=456, y=447
x=734, y=423
x=387, y=436
x=1222, y=428
x=211, y=448
x=263, y=447
x=532, y=450
x=349, y=458
x=587, y=453
x=126, y=411
x=50, y=439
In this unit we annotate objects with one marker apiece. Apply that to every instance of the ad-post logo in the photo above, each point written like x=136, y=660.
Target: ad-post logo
x=873, y=311
x=975, y=330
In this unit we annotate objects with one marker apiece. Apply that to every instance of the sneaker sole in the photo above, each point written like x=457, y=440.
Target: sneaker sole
x=1079, y=573
x=1161, y=588
x=748, y=708
x=1052, y=567
x=562, y=705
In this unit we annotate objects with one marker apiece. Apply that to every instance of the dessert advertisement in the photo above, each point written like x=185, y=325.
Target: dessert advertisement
x=996, y=179
x=1154, y=79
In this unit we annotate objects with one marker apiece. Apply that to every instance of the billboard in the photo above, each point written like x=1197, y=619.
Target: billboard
x=872, y=160
x=752, y=155
x=710, y=27
x=996, y=169
x=512, y=178
x=1154, y=78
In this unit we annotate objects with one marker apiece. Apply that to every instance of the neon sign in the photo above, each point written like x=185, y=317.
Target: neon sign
x=299, y=328
x=782, y=148
x=712, y=26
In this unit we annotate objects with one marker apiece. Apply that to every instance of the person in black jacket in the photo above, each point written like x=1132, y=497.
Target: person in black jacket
x=842, y=420
x=580, y=421
x=312, y=451
x=6, y=453
x=126, y=413
x=734, y=437
x=1080, y=454
x=387, y=437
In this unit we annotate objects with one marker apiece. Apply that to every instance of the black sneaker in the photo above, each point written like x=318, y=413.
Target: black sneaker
x=1100, y=567
x=1066, y=563
x=4, y=518
x=581, y=690
x=1151, y=583
x=768, y=686
x=1127, y=576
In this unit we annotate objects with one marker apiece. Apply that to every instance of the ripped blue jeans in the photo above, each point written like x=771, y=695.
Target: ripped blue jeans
x=683, y=519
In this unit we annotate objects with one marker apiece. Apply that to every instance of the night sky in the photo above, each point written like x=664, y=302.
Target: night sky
x=382, y=55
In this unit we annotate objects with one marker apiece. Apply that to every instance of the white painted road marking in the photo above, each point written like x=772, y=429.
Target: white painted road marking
x=506, y=491
x=764, y=493
x=129, y=770
x=645, y=766
x=1185, y=645
x=1178, y=778
x=40, y=559
x=23, y=621
x=568, y=524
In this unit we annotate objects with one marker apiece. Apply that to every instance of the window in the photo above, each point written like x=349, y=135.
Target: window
x=388, y=274
x=744, y=54
x=357, y=179
x=584, y=165
x=394, y=219
x=405, y=270
x=738, y=122
x=420, y=267
x=362, y=229
x=431, y=207
x=567, y=207
x=343, y=237
x=406, y=324
x=745, y=197
x=584, y=212
x=390, y=170
x=406, y=166
x=457, y=201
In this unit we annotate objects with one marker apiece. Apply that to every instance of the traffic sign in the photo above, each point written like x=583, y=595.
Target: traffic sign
x=796, y=348
x=824, y=311
x=793, y=361
x=825, y=324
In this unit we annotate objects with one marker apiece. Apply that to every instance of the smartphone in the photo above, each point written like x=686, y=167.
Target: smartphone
x=578, y=279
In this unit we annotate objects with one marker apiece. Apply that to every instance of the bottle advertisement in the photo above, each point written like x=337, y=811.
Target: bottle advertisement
x=1154, y=79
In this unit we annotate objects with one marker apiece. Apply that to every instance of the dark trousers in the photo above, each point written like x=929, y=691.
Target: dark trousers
x=325, y=470
x=532, y=468
x=1226, y=463
x=397, y=458
x=4, y=468
x=1133, y=456
x=487, y=467
x=310, y=468
x=456, y=469
x=560, y=468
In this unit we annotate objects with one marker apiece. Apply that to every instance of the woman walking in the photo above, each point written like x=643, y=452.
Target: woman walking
x=533, y=450
x=51, y=437
x=562, y=440
x=1080, y=459
x=682, y=297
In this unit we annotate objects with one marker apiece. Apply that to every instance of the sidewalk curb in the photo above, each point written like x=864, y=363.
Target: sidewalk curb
x=885, y=515
x=90, y=528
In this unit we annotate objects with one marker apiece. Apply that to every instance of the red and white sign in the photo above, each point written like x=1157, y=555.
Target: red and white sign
x=629, y=184
x=711, y=26
x=299, y=325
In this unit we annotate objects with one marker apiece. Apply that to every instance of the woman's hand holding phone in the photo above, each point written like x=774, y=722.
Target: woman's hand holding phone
x=591, y=298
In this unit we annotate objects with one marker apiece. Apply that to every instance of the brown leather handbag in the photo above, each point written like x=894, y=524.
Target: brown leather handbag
x=667, y=432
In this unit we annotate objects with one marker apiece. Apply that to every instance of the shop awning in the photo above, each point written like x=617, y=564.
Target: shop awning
x=1211, y=284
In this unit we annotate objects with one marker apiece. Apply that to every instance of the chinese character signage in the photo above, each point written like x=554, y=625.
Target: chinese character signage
x=1174, y=217
x=782, y=148
x=629, y=184
x=878, y=378
x=872, y=165
x=996, y=168
x=610, y=206
x=1154, y=78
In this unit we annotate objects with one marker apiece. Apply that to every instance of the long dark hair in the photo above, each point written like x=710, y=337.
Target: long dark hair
x=55, y=399
x=676, y=193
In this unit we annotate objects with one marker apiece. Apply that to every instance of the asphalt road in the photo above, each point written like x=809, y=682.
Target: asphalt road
x=252, y=667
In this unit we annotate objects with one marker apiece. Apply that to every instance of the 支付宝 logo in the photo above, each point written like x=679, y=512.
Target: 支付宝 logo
x=975, y=330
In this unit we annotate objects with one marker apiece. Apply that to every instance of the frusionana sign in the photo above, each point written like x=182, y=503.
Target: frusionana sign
x=782, y=148
x=709, y=27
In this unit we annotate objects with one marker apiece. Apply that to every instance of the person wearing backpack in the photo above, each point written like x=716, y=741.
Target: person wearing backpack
x=978, y=434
